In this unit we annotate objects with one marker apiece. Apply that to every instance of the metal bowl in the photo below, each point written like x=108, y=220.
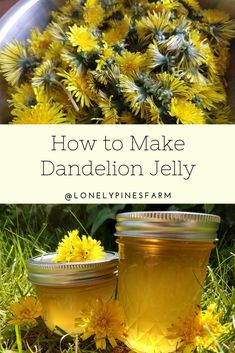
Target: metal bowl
x=26, y=14
x=16, y=24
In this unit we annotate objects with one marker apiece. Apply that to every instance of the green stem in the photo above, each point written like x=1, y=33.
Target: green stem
x=18, y=338
x=77, y=349
x=76, y=108
x=81, y=225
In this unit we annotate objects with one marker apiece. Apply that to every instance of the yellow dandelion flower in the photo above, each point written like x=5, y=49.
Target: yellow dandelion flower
x=155, y=58
x=23, y=96
x=175, y=43
x=131, y=63
x=214, y=16
x=194, y=75
x=66, y=9
x=220, y=27
x=106, y=54
x=69, y=7
x=58, y=96
x=223, y=33
x=39, y=42
x=200, y=330
x=41, y=113
x=192, y=51
x=57, y=31
x=193, y=4
x=74, y=248
x=104, y=321
x=163, y=6
x=173, y=86
x=53, y=53
x=72, y=59
x=222, y=114
x=222, y=61
x=133, y=95
x=101, y=76
x=113, y=7
x=25, y=311
x=152, y=115
x=44, y=74
x=127, y=118
x=210, y=61
x=109, y=111
x=93, y=13
x=42, y=95
x=82, y=38
x=15, y=62
x=153, y=26
x=117, y=32
x=186, y=112
x=77, y=83
x=208, y=96
x=142, y=2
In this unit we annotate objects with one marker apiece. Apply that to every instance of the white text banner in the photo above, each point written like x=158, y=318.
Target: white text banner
x=117, y=164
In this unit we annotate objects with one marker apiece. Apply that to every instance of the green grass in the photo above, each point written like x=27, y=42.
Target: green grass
x=26, y=231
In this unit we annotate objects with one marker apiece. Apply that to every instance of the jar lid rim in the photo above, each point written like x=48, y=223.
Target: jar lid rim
x=43, y=271
x=46, y=260
x=168, y=225
x=161, y=216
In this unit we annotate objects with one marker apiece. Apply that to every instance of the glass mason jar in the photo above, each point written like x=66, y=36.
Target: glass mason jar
x=64, y=289
x=163, y=262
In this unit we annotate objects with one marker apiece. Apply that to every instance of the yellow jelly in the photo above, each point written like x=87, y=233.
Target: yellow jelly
x=64, y=289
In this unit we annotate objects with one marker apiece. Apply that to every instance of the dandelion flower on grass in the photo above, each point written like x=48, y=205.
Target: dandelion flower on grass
x=104, y=321
x=25, y=312
x=201, y=330
x=74, y=248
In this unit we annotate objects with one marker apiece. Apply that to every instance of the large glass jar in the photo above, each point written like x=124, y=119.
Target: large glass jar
x=163, y=262
x=64, y=289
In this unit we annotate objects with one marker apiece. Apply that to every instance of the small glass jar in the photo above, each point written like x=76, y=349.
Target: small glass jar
x=64, y=289
x=163, y=262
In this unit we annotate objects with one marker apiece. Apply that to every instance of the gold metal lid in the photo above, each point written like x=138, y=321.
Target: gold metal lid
x=42, y=271
x=168, y=225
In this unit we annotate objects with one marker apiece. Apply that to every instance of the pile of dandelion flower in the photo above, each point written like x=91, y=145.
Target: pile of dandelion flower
x=74, y=248
x=118, y=62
